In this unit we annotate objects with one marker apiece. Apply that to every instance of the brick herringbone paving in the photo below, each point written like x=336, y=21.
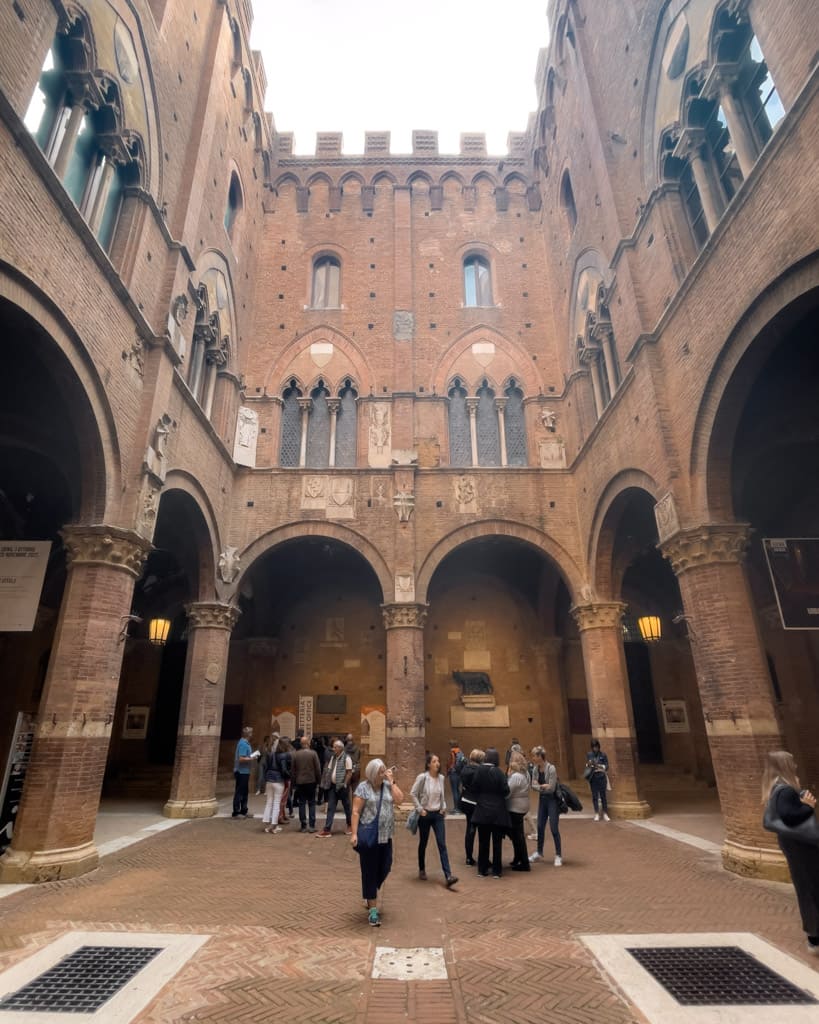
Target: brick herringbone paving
x=289, y=934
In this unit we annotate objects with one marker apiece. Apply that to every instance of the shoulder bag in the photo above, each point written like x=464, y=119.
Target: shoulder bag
x=805, y=832
x=367, y=835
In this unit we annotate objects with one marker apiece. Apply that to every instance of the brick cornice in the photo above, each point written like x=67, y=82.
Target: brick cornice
x=603, y=615
x=708, y=544
x=404, y=616
x=110, y=546
x=212, y=615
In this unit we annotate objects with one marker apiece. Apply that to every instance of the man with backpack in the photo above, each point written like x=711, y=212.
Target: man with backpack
x=455, y=765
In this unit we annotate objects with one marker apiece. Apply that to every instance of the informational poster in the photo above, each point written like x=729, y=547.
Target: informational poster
x=793, y=563
x=15, y=775
x=675, y=716
x=22, y=571
x=306, y=715
x=283, y=721
x=373, y=730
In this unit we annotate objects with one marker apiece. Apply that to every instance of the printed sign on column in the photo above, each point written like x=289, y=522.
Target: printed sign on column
x=22, y=571
x=306, y=715
x=12, y=792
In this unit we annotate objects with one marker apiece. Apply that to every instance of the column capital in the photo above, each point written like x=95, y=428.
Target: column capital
x=472, y=406
x=708, y=544
x=602, y=615
x=500, y=403
x=333, y=406
x=212, y=615
x=305, y=404
x=110, y=546
x=407, y=616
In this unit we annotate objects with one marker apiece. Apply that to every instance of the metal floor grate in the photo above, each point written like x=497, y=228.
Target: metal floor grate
x=82, y=981
x=718, y=976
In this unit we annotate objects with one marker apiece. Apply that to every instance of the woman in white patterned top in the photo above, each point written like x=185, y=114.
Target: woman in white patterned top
x=429, y=796
x=375, y=798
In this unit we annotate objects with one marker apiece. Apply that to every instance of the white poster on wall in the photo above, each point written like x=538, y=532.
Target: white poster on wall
x=22, y=571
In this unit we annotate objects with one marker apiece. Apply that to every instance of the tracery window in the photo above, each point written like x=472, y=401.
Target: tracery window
x=233, y=205
x=318, y=428
x=321, y=431
x=291, y=426
x=514, y=425
x=210, y=350
x=486, y=416
x=485, y=429
x=594, y=338
x=326, y=286
x=477, y=281
x=460, y=444
x=567, y=202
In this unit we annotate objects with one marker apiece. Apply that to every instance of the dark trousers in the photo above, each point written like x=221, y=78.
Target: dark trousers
x=455, y=786
x=286, y=796
x=495, y=833
x=521, y=853
x=469, y=831
x=598, y=790
x=432, y=821
x=547, y=810
x=803, y=861
x=333, y=797
x=240, y=792
x=306, y=794
x=376, y=862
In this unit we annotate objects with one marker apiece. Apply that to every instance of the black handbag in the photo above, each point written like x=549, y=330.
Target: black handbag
x=805, y=832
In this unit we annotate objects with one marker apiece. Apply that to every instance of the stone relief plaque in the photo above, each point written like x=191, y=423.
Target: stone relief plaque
x=404, y=586
x=442, y=666
x=334, y=630
x=379, y=491
x=314, y=492
x=552, y=453
x=668, y=520
x=480, y=661
x=341, y=499
x=454, y=636
x=483, y=352
x=403, y=325
x=321, y=352
x=247, y=434
x=466, y=494
x=475, y=634
x=380, y=435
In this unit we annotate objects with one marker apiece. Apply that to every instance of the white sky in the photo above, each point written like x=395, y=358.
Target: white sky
x=378, y=65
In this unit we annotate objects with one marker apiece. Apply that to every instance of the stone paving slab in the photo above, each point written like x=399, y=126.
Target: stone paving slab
x=289, y=934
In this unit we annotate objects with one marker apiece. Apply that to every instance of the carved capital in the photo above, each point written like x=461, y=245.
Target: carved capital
x=404, y=616
x=305, y=404
x=333, y=406
x=472, y=406
x=212, y=615
x=500, y=404
x=706, y=545
x=105, y=545
x=603, y=615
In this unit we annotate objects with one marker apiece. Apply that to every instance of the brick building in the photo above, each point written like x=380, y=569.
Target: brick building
x=348, y=425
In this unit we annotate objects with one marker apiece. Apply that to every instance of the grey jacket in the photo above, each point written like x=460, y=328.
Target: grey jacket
x=518, y=800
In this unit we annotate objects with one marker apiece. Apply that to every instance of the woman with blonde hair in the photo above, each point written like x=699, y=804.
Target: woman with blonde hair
x=793, y=806
x=518, y=805
x=468, y=802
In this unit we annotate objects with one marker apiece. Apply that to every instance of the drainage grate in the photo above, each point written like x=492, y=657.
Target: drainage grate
x=82, y=981
x=717, y=976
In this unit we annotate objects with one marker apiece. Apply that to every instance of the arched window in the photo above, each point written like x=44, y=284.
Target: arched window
x=318, y=428
x=675, y=169
x=346, y=429
x=234, y=204
x=567, y=203
x=326, y=290
x=477, y=281
x=460, y=444
x=488, y=431
x=290, y=445
x=594, y=338
x=514, y=425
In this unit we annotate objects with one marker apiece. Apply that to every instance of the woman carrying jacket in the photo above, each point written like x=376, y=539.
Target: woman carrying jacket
x=544, y=783
x=429, y=796
x=490, y=789
x=468, y=802
x=518, y=805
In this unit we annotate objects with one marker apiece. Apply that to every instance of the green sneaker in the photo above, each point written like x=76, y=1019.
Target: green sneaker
x=373, y=918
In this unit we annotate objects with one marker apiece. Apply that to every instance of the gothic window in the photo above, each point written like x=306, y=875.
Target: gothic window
x=594, y=338
x=318, y=429
x=487, y=427
x=514, y=426
x=234, y=204
x=679, y=170
x=346, y=432
x=326, y=290
x=567, y=202
x=477, y=281
x=291, y=426
x=460, y=444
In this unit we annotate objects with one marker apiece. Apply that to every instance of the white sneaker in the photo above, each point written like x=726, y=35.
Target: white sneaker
x=535, y=857
x=606, y=817
x=597, y=817
x=558, y=862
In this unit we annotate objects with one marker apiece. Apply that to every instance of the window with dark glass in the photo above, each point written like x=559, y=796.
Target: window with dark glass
x=346, y=433
x=326, y=293
x=514, y=426
x=318, y=428
x=234, y=204
x=291, y=426
x=460, y=444
x=477, y=282
x=487, y=427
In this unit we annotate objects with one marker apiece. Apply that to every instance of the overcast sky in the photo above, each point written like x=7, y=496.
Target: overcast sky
x=377, y=65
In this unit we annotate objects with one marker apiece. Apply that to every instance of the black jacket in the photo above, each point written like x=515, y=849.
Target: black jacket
x=489, y=788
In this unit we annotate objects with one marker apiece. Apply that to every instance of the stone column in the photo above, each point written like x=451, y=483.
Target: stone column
x=554, y=708
x=406, y=726
x=734, y=685
x=601, y=638
x=305, y=404
x=193, y=788
x=500, y=405
x=54, y=831
x=333, y=405
x=69, y=139
x=719, y=86
x=472, y=409
x=690, y=148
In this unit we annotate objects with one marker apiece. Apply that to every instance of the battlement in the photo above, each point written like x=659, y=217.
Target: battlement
x=329, y=146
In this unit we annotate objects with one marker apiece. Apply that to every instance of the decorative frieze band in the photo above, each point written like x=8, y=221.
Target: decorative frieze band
x=398, y=616
x=603, y=615
x=212, y=615
x=105, y=545
x=706, y=545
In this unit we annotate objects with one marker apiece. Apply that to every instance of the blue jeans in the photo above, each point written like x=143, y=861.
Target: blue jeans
x=455, y=786
x=432, y=820
x=547, y=810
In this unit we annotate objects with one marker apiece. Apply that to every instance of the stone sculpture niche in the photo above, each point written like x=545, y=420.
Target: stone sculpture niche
x=477, y=708
x=473, y=683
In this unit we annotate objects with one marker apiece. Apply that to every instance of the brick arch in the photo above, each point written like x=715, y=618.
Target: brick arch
x=525, y=371
x=280, y=369
x=101, y=484
x=204, y=525
x=605, y=522
x=452, y=176
x=754, y=337
x=384, y=176
x=331, y=531
x=542, y=542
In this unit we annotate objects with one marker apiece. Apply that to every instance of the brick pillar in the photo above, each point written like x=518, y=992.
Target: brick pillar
x=54, y=832
x=554, y=711
x=193, y=788
x=406, y=728
x=601, y=638
x=734, y=685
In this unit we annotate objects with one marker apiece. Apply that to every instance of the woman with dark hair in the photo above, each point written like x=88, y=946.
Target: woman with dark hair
x=597, y=772
x=429, y=796
x=468, y=803
x=793, y=805
x=490, y=789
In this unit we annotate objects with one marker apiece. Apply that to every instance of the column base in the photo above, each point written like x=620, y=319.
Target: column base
x=190, y=808
x=47, y=865
x=755, y=862
x=630, y=809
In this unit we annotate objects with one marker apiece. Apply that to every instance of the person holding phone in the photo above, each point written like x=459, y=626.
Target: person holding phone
x=429, y=796
x=374, y=801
